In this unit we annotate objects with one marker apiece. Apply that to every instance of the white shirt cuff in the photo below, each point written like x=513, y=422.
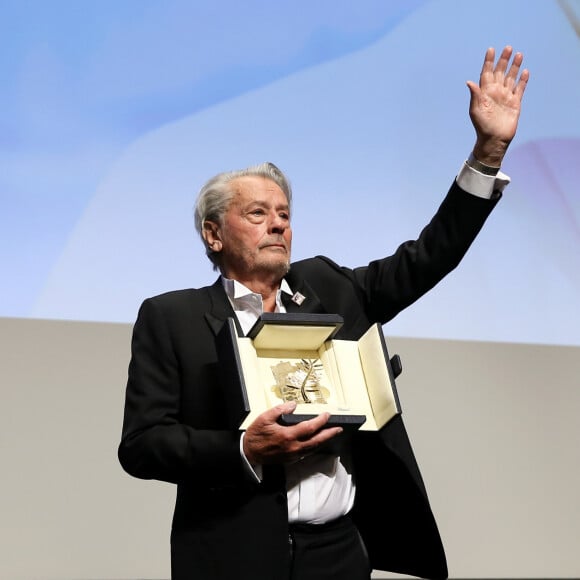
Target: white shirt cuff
x=254, y=471
x=480, y=184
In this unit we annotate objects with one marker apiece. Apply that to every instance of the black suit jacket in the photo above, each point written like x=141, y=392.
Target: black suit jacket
x=225, y=525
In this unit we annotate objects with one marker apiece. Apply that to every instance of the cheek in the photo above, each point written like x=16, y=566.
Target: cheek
x=249, y=242
x=240, y=237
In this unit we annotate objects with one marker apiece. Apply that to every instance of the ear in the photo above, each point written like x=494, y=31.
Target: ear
x=211, y=235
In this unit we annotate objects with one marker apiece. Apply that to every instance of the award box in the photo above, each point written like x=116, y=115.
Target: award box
x=295, y=357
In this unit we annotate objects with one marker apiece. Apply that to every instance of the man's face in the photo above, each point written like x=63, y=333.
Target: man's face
x=255, y=239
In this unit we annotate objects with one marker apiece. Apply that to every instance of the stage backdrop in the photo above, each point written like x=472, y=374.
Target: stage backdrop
x=113, y=115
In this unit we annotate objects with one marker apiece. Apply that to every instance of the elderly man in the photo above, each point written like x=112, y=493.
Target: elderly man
x=273, y=502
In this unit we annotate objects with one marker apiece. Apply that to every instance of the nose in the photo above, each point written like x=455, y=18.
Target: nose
x=278, y=224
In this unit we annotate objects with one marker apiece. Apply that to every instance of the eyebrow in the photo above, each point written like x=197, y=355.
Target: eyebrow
x=266, y=204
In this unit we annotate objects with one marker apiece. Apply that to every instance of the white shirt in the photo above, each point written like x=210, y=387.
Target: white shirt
x=321, y=487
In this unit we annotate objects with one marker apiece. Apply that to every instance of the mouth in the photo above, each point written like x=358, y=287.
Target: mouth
x=275, y=246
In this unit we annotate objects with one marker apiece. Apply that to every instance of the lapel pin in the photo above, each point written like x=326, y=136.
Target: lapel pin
x=298, y=298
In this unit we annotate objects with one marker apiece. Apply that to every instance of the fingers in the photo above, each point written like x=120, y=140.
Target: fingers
x=503, y=61
x=514, y=69
x=488, y=62
x=511, y=81
x=308, y=436
x=304, y=430
x=490, y=71
x=503, y=72
x=266, y=441
x=314, y=430
x=522, y=84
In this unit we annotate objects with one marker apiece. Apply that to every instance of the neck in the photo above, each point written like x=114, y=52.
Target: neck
x=266, y=288
x=268, y=293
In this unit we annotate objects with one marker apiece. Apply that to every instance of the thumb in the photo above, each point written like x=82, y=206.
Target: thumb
x=274, y=413
x=271, y=415
x=473, y=88
x=288, y=407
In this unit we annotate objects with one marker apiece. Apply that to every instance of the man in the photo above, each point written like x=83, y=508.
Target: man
x=273, y=502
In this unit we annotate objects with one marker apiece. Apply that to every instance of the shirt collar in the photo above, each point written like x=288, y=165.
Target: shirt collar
x=236, y=290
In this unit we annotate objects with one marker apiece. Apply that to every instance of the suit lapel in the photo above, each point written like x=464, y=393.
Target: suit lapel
x=304, y=298
x=221, y=309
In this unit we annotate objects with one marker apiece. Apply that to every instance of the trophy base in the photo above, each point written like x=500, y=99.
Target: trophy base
x=350, y=422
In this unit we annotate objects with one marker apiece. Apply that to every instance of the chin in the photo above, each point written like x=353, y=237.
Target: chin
x=279, y=269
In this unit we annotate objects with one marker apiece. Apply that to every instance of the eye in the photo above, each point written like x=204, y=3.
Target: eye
x=258, y=212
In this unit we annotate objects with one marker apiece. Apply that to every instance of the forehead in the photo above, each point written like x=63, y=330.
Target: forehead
x=254, y=188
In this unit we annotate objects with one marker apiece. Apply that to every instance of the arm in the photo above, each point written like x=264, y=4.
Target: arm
x=395, y=282
x=164, y=436
x=417, y=266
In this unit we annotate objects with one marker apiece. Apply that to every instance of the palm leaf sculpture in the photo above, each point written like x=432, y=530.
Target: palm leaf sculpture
x=300, y=381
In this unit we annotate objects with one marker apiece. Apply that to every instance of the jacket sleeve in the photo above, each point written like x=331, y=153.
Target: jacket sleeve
x=393, y=283
x=156, y=442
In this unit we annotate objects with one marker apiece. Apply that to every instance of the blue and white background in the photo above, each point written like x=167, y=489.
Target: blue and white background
x=114, y=113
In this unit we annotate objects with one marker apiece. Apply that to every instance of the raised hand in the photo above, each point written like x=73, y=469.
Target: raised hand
x=495, y=104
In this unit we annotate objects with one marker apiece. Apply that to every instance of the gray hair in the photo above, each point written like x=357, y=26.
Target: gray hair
x=215, y=196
